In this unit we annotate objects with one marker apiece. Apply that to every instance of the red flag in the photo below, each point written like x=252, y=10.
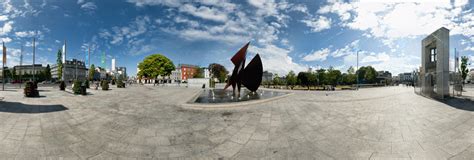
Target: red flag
x=4, y=54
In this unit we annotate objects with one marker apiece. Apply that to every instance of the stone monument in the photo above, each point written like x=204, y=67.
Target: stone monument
x=434, y=72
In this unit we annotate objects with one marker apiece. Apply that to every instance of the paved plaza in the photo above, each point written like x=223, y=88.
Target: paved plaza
x=146, y=122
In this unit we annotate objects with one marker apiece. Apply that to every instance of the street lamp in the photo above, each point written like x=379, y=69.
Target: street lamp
x=357, y=69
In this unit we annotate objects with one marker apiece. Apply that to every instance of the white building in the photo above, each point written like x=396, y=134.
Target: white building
x=113, y=65
x=207, y=74
x=175, y=76
x=470, y=76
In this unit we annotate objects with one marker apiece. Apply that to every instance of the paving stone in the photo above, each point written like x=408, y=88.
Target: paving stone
x=148, y=123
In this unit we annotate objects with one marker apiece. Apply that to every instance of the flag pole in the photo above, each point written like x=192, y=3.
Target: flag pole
x=89, y=59
x=21, y=63
x=34, y=71
x=3, y=66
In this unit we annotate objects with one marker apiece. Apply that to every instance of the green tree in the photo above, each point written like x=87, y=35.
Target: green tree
x=303, y=79
x=59, y=62
x=7, y=73
x=14, y=76
x=333, y=76
x=276, y=80
x=199, y=73
x=321, y=77
x=218, y=71
x=367, y=74
x=370, y=75
x=463, y=68
x=91, y=72
x=154, y=65
x=291, y=79
x=351, y=76
x=47, y=72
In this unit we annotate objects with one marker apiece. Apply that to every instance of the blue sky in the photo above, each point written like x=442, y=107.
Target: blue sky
x=289, y=35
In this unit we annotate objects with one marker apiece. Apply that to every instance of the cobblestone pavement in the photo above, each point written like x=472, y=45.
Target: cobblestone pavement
x=148, y=123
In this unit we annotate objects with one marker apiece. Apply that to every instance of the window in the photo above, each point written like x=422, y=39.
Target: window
x=433, y=56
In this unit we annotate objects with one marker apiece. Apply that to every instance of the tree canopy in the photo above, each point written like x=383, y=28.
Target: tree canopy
x=303, y=79
x=367, y=74
x=47, y=72
x=291, y=79
x=154, y=65
x=60, y=64
x=333, y=76
x=464, y=70
x=91, y=72
x=218, y=71
x=199, y=73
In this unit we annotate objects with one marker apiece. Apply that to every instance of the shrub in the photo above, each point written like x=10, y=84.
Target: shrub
x=76, y=87
x=105, y=85
x=62, y=86
x=120, y=83
x=31, y=90
x=87, y=83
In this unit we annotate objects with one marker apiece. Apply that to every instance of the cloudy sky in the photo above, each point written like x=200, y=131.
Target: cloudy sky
x=289, y=35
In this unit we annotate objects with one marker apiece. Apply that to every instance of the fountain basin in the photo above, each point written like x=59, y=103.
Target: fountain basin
x=219, y=98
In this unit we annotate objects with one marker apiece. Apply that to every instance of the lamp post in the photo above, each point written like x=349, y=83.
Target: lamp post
x=357, y=86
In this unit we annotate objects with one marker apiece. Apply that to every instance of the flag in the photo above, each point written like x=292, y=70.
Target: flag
x=64, y=52
x=4, y=54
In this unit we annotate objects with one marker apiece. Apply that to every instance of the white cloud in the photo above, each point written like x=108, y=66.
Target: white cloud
x=276, y=59
x=319, y=55
x=393, y=20
x=89, y=6
x=346, y=50
x=141, y=3
x=318, y=24
x=25, y=34
x=6, y=39
x=381, y=57
x=120, y=34
x=461, y=3
x=300, y=8
x=3, y=18
x=180, y=19
x=398, y=64
x=469, y=48
x=260, y=25
x=265, y=7
x=7, y=28
x=204, y=12
x=30, y=44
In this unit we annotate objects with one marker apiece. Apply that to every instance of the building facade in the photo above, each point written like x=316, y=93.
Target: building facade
x=176, y=76
x=405, y=78
x=73, y=69
x=187, y=71
x=28, y=69
x=121, y=71
x=384, y=77
x=267, y=76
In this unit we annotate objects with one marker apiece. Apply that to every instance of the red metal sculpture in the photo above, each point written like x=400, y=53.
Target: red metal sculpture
x=250, y=76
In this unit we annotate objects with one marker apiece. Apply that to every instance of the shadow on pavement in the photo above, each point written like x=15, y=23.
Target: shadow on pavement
x=460, y=103
x=16, y=107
